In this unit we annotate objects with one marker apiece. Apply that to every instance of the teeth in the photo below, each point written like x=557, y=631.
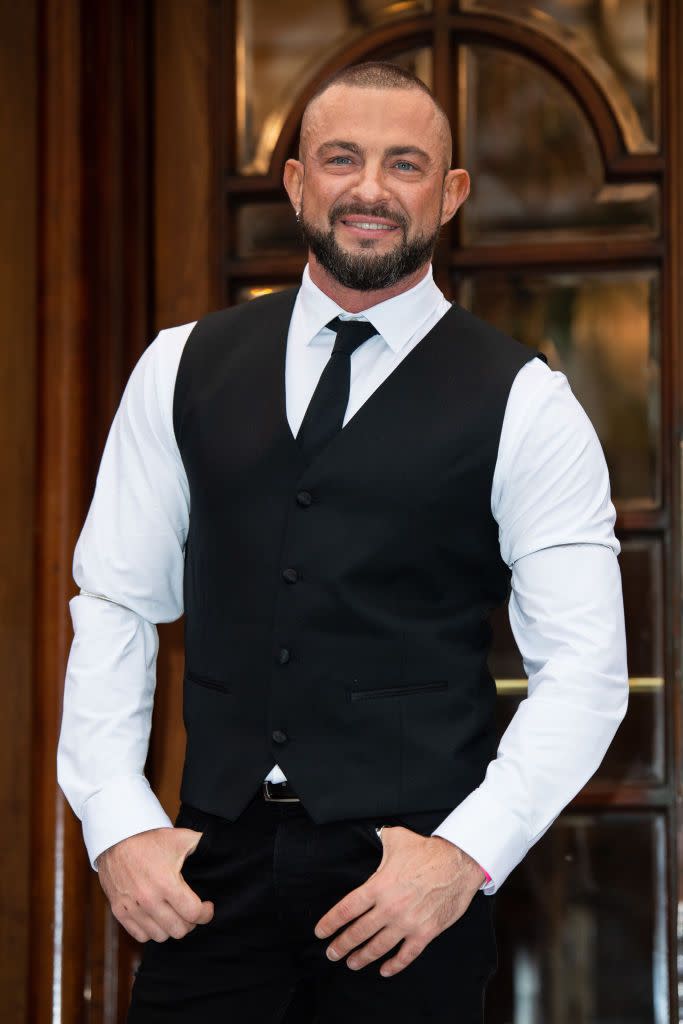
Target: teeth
x=367, y=226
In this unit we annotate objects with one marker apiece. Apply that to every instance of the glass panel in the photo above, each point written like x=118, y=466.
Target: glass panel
x=602, y=331
x=267, y=229
x=278, y=49
x=581, y=926
x=545, y=182
x=617, y=42
x=637, y=752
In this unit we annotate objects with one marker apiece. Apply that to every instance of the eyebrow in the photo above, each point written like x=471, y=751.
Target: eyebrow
x=353, y=147
x=400, y=150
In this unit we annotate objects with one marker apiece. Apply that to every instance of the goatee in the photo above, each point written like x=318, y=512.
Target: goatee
x=365, y=270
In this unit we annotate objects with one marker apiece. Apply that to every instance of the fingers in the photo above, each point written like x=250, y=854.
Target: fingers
x=182, y=898
x=161, y=924
x=410, y=949
x=147, y=893
x=382, y=940
x=186, y=903
x=378, y=946
x=369, y=939
x=153, y=916
x=363, y=928
x=413, y=896
x=347, y=909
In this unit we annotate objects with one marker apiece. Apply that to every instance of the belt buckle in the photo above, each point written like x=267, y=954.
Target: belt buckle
x=278, y=799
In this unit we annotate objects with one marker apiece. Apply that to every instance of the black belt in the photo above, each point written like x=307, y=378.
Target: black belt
x=279, y=792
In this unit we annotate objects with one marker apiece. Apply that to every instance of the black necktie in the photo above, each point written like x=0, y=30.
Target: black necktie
x=326, y=409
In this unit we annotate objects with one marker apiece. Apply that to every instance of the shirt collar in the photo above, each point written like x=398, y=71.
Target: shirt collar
x=395, y=319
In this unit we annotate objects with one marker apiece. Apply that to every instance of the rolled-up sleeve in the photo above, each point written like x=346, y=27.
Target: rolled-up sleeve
x=128, y=563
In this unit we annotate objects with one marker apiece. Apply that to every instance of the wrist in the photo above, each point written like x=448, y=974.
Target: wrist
x=474, y=865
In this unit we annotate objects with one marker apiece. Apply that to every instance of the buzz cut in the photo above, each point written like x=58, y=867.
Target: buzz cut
x=379, y=74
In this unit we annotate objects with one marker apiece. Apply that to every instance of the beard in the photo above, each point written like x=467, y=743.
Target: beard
x=364, y=270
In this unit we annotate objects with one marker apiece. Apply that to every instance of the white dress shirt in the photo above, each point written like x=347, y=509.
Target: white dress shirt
x=550, y=497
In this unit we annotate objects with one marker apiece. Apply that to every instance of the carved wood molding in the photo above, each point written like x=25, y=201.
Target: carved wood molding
x=603, y=101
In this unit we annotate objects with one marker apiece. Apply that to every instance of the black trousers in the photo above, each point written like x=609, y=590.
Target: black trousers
x=271, y=875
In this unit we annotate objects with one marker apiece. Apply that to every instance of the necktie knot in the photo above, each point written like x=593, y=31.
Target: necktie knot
x=326, y=410
x=350, y=334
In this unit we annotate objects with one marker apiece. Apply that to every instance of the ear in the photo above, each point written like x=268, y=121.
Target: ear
x=456, y=191
x=293, y=180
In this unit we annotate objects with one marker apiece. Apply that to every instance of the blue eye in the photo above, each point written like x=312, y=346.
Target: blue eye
x=407, y=164
x=336, y=158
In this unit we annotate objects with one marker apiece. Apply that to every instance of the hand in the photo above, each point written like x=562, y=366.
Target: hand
x=422, y=885
x=142, y=881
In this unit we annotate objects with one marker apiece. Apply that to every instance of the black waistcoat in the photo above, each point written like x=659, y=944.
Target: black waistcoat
x=336, y=613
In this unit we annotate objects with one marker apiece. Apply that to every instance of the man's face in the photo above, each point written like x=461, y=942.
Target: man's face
x=372, y=188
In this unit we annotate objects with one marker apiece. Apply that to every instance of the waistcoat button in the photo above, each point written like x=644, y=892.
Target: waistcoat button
x=283, y=656
x=304, y=498
x=279, y=736
x=291, y=575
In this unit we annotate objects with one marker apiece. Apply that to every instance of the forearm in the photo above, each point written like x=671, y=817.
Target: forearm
x=106, y=721
x=129, y=564
x=578, y=694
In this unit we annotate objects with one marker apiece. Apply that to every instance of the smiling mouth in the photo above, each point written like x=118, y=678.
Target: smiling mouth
x=369, y=225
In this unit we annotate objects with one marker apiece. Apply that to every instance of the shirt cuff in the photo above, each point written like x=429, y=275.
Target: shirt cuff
x=120, y=809
x=489, y=833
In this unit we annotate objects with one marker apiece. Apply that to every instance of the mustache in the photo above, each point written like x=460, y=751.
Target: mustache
x=358, y=210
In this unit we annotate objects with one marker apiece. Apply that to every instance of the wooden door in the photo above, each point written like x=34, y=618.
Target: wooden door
x=568, y=117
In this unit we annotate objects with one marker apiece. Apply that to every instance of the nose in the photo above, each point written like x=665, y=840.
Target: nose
x=370, y=186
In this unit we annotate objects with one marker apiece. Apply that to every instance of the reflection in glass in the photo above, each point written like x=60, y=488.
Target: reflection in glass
x=602, y=331
x=279, y=48
x=581, y=926
x=249, y=292
x=617, y=42
x=537, y=173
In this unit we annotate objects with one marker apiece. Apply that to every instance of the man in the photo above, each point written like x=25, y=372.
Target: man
x=337, y=484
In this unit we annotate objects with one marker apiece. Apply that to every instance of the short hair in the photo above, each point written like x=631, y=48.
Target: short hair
x=380, y=74
x=374, y=74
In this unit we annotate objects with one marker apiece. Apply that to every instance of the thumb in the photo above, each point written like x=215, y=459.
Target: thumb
x=188, y=841
x=189, y=904
x=184, y=899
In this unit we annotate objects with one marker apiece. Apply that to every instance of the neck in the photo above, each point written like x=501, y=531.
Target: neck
x=352, y=301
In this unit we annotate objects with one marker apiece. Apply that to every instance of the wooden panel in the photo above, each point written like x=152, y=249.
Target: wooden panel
x=18, y=72
x=117, y=238
x=672, y=329
x=93, y=324
x=185, y=278
x=185, y=282
x=58, y=864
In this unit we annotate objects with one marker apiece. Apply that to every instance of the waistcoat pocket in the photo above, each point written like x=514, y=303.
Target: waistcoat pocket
x=427, y=686
x=212, y=684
